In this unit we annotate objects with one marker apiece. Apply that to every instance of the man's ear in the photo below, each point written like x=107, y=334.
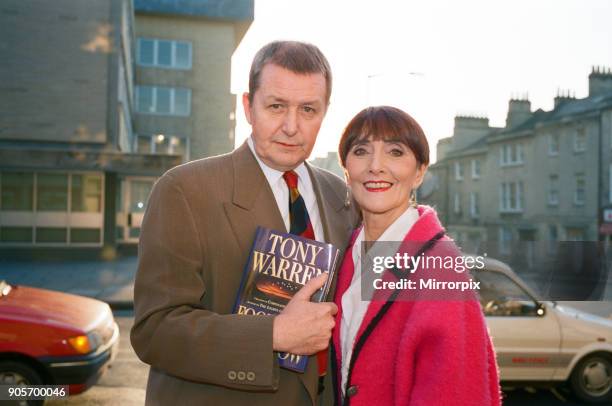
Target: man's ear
x=246, y=104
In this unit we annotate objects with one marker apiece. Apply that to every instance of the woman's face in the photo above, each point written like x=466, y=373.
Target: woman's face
x=381, y=175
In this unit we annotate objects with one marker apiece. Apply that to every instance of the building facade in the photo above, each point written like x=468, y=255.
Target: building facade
x=74, y=173
x=543, y=178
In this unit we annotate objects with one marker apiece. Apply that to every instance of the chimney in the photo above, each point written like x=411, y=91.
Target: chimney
x=468, y=129
x=519, y=110
x=563, y=96
x=444, y=145
x=600, y=80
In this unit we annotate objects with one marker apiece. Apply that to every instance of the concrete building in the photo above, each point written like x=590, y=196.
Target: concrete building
x=183, y=61
x=75, y=172
x=543, y=178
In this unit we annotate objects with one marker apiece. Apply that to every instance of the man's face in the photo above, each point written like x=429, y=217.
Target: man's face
x=285, y=115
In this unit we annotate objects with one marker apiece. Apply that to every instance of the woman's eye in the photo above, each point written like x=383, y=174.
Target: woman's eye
x=397, y=152
x=359, y=151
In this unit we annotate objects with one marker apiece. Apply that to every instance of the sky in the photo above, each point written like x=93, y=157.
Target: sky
x=435, y=59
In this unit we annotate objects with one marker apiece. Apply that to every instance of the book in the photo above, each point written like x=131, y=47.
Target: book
x=279, y=265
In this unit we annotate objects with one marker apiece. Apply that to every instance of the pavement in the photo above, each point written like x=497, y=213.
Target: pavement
x=109, y=281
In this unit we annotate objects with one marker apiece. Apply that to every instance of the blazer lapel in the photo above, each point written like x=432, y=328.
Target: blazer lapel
x=253, y=203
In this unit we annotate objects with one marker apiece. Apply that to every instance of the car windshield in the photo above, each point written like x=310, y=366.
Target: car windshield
x=5, y=288
x=501, y=296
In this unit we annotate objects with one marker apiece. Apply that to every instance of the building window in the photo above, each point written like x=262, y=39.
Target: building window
x=162, y=144
x=580, y=140
x=16, y=234
x=458, y=171
x=52, y=192
x=173, y=101
x=511, y=197
x=17, y=191
x=579, y=194
x=51, y=234
x=505, y=240
x=457, y=203
x=86, y=193
x=511, y=155
x=475, y=169
x=167, y=54
x=553, y=190
x=65, y=208
x=474, y=205
x=553, y=144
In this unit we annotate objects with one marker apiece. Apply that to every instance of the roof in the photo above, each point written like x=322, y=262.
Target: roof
x=566, y=109
x=232, y=10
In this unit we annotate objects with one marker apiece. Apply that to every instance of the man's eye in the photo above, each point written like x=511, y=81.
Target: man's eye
x=308, y=109
x=276, y=106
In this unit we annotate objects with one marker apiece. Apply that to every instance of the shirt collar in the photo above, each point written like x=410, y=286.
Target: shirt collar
x=395, y=233
x=272, y=174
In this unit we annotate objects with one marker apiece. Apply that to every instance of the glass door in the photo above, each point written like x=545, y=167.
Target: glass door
x=131, y=204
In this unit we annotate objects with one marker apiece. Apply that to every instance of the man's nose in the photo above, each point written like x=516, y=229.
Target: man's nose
x=290, y=124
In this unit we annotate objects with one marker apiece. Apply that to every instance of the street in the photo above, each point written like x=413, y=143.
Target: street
x=124, y=383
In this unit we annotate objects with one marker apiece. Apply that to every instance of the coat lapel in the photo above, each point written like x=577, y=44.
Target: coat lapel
x=253, y=203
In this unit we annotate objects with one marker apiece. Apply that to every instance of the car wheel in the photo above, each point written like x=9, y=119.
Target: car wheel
x=591, y=379
x=19, y=374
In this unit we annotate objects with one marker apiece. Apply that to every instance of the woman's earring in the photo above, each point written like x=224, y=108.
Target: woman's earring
x=347, y=200
x=413, y=199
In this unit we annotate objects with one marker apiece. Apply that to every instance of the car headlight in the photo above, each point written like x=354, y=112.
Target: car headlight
x=81, y=344
x=86, y=343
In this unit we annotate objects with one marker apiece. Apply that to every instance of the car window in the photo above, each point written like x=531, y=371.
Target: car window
x=501, y=296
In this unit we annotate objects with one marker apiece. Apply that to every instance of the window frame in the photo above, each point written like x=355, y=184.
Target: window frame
x=458, y=171
x=553, y=190
x=173, y=54
x=580, y=177
x=557, y=142
x=476, y=173
x=154, y=90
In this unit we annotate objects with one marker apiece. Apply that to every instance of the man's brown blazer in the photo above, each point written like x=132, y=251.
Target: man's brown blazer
x=196, y=235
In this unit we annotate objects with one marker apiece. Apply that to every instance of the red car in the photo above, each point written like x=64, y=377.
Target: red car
x=54, y=338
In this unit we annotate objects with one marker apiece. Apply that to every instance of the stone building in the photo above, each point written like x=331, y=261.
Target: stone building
x=543, y=178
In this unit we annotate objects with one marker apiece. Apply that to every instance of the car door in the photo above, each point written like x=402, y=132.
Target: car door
x=525, y=334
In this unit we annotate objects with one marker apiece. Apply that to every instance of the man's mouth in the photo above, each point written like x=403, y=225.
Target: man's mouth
x=377, y=186
x=284, y=144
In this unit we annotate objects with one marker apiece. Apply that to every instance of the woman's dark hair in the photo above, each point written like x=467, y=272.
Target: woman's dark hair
x=385, y=123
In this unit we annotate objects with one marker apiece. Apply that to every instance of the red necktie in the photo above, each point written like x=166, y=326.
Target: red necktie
x=300, y=225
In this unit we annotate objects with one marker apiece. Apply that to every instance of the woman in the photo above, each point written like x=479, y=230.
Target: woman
x=389, y=351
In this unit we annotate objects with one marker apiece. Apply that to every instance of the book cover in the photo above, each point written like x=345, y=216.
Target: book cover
x=279, y=265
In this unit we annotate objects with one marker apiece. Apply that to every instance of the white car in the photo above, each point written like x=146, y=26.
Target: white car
x=541, y=342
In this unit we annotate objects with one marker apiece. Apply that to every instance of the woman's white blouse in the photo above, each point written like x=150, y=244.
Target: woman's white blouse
x=353, y=307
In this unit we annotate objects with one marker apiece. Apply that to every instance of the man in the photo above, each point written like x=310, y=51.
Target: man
x=196, y=236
